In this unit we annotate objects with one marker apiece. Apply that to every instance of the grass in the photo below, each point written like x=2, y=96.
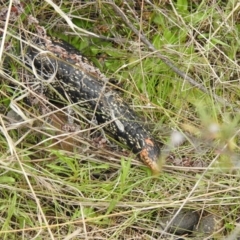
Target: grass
x=57, y=184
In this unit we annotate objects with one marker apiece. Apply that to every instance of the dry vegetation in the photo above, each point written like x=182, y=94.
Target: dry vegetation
x=70, y=183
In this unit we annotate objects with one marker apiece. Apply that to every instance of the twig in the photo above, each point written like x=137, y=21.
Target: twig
x=168, y=62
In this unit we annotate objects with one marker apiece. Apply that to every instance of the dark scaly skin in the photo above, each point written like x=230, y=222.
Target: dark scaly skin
x=79, y=81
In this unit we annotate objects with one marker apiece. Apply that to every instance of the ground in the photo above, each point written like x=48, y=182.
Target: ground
x=61, y=180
